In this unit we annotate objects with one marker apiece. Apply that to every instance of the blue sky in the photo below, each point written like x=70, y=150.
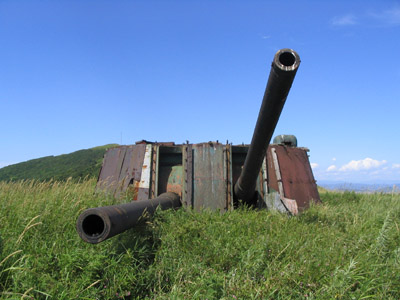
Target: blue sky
x=79, y=74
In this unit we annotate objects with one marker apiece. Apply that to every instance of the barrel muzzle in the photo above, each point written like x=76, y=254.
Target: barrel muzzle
x=95, y=225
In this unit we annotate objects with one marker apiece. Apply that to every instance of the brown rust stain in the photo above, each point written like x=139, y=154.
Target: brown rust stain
x=297, y=177
x=133, y=190
x=176, y=188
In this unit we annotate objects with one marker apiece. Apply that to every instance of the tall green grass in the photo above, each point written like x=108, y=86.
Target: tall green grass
x=347, y=248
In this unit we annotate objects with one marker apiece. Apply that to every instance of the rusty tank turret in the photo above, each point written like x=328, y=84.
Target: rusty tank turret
x=208, y=175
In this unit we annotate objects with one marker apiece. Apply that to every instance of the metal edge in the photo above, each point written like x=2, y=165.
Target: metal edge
x=228, y=177
x=153, y=172
x=290, y=204
x=187, y=157
x=145, y=178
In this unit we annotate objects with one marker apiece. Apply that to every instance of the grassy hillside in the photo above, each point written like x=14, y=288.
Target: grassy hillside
x=77, y=165
x=347, y=248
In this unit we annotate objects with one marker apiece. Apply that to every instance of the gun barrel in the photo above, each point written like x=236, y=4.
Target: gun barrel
x=283, y=71
x=95, y=225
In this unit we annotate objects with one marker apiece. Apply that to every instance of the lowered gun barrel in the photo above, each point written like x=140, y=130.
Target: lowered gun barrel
x=95, y=225
x=283, y=71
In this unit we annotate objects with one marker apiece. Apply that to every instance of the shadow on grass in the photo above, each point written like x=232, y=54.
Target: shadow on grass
x=137, y=239
x=134, y=250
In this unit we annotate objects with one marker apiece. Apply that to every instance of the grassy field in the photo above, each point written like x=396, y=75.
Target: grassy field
x=348, y=248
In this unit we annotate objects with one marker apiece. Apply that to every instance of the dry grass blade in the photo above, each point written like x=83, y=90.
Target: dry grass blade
x=25, y=294
x=10, y=255
x=27, y=227
x=91, y=285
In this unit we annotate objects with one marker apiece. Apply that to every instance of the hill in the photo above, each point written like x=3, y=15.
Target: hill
x=382, y=187
x=77, y=165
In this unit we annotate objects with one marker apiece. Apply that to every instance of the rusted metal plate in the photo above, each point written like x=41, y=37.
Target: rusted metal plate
x=228, y=176
x=110, y=171
x=209, y=181
x=154, y=168
x=131, y=171
x=296, y=180
x=187, y=195
x=122, y=170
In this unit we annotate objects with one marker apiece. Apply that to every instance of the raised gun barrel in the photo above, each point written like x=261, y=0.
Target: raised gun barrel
x=95, y=225
x=283, y=70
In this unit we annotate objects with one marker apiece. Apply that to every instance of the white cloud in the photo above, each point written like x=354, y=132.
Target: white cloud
x=334, y=158
x=364, y=170
x=265, y=37
x=314, y=165
x=331, y=168
x=345, y=20
x=364, y=164
x=388, y=17
x=378, y=18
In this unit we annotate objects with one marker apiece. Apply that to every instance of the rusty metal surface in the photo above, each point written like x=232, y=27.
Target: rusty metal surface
x=290, y=204
x=175, y=179
x=209, y=182
x=110, y=171
x=154, y=166
x=296, y=176
x=187, y=196
x=204, y=175
x=228, y=176
x=121, y=170
x=131, y=170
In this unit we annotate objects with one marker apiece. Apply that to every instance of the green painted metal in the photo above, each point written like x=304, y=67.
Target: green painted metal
x=285, y=139
x=170, y=170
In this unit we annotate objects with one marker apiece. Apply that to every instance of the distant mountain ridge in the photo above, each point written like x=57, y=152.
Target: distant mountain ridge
x=78, y=164
x=361, y=187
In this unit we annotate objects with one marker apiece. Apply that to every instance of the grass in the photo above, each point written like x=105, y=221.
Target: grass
x=348, y=248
